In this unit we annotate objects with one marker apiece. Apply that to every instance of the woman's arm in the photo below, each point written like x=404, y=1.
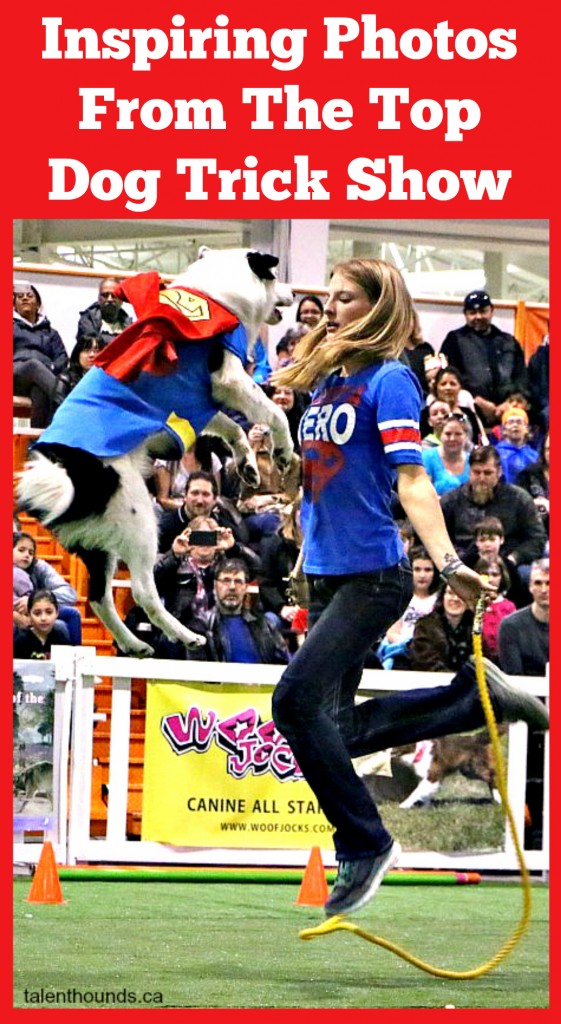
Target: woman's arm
x=57, y=352
x=163, y=476
x=421, y=505
x=45, y=577
x=393, y=634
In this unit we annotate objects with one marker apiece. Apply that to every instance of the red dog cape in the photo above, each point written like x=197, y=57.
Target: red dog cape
x=151, y=377
x=164, y=316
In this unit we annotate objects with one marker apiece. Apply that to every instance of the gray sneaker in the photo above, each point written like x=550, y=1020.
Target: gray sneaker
x=516, y=705
x=358, y=880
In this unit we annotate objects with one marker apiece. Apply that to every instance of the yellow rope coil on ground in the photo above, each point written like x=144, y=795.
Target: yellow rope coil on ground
x=334, y=924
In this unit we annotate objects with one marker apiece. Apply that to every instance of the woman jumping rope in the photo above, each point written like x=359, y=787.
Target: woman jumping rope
x=359, y=433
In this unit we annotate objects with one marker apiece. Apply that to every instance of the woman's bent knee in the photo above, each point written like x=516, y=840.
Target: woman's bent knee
x=277, y=705
x=284, y=706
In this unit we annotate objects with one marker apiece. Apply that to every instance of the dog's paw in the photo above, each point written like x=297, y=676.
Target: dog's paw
x=249, y=474
x=283, y=458
x=195, y=642
x=139, y=650
x=407, y=805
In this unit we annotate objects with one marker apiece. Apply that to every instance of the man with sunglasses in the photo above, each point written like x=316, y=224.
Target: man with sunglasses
x=104, y=318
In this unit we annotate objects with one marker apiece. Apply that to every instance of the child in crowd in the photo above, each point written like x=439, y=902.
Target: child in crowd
x=407, y=534
x=36, y=640
x=437, y=414
x=22, y=587
x=497, y=610
x=520, y=400
x=44, y=577
x=515, y=452
x=442, y=639
x=489, y=539
x=425, y=582
x=80, y=360
x=42, y=574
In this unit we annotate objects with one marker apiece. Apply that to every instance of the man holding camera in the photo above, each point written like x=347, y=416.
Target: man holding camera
x=202, y=499
x=184, y=575
x=185, y=579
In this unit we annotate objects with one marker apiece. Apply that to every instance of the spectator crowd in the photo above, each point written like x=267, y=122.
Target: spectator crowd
x=485, y=439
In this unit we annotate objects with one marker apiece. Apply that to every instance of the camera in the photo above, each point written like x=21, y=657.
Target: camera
x=203, y=538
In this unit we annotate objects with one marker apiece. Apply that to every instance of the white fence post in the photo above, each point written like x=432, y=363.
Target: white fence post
x=119, y=760
x=81, y=750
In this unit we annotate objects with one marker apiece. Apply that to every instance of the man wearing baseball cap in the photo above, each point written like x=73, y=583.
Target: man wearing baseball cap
x=490, y=360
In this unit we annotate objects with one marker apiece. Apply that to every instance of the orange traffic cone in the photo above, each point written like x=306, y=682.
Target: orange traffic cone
x=314, y=889
x=45, y=887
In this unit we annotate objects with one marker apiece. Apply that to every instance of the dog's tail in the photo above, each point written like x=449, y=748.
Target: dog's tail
x=61, y=485
x=44, y=489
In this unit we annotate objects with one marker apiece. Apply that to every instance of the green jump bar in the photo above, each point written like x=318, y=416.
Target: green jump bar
x=279, y=875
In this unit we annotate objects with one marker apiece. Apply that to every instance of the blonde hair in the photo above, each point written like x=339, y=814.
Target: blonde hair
x=290, y=525
x=378, y=336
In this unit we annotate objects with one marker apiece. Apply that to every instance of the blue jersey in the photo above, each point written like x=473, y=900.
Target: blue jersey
x=109, y=417
x=354, y=434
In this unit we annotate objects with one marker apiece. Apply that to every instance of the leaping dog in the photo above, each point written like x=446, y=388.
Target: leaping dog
x=154, y=389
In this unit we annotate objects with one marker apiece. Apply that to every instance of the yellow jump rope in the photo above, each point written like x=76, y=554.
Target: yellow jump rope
x=335, y=924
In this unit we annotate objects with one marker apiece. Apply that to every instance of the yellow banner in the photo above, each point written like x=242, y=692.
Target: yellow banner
x=218, y=773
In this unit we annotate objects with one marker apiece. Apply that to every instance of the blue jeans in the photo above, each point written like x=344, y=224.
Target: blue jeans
x=314, y=706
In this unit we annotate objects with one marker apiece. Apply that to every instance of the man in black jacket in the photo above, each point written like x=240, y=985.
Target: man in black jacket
x=105, y=318
x=233, y=632
x=524, y=651
x=202, y=499
x=486, y=495
x=490, y=361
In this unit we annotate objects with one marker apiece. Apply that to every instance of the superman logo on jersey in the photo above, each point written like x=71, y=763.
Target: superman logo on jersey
x=326, y=426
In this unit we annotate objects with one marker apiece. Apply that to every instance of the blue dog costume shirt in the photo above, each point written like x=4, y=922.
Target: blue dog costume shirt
x=154, y=376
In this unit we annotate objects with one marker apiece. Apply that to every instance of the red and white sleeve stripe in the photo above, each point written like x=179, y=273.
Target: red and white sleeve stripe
x=400, y=436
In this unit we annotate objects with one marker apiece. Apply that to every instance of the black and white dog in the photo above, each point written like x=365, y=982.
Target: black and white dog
x=166, y=378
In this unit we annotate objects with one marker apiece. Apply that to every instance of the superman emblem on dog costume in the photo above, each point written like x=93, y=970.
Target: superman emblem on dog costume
x=153, y=376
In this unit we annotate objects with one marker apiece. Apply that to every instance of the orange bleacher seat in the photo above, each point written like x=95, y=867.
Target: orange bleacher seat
x=22, y=439
x=22, y=410
x=104, y=648
x=46, y=548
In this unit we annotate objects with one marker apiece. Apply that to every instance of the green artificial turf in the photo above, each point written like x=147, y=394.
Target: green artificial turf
x=236, y=945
